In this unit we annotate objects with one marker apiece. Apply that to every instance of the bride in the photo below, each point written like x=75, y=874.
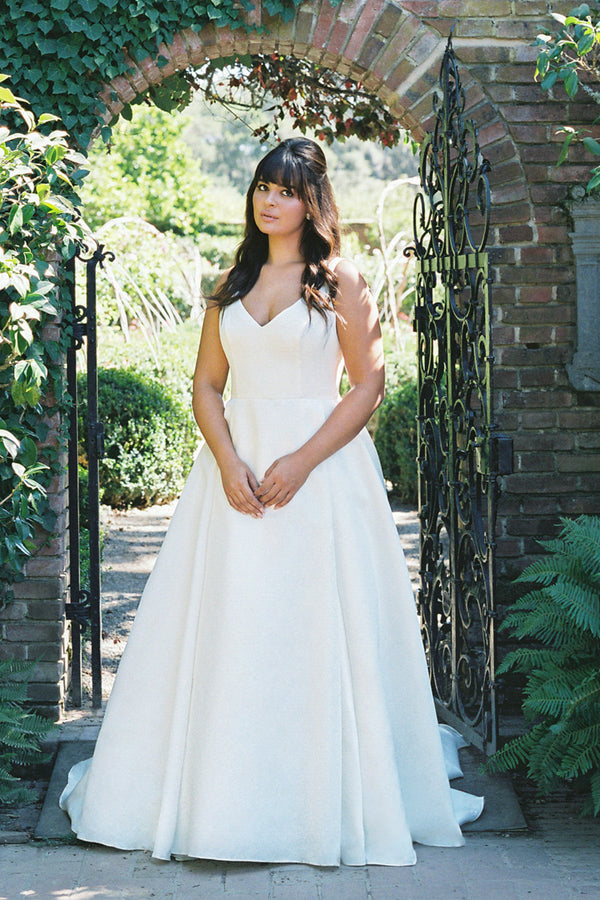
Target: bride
x=273, y=701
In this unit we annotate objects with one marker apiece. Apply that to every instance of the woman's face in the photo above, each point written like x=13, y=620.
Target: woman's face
x=278, y=210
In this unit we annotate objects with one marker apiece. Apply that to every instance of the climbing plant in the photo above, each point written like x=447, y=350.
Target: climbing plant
x=571, y=56
x=64, y=51
x=314, y=98
x=38, y=225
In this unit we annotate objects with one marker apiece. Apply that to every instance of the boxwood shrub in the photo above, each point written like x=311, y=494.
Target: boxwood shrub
x=150, y=438
x=395, y=436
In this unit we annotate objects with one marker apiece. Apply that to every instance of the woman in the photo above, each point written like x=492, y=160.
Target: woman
x=273, y=701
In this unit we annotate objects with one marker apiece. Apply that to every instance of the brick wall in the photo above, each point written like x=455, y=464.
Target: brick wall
x=33, y=626
x=396, y=48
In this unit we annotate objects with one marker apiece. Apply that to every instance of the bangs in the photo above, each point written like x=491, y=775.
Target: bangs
x=283, y=168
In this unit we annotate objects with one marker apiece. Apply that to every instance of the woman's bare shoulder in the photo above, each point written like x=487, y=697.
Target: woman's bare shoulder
x=350, y=281
x=211, y=303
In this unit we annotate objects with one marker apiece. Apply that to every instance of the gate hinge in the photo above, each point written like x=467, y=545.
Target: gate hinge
x=502, y=454
x=96, y=430
x=79, y=610
x=494, y=455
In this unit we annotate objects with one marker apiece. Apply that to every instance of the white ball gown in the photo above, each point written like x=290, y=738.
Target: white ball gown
x=273, y=702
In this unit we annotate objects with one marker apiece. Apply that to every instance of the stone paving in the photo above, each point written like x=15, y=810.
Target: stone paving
x=557, y=859
x=559, y=864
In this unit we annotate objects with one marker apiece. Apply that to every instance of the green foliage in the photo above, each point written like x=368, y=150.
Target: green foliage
x=38, y=222
x=562, y=693
x=64, y=51
x=315, y=99
x=20, y=731
x=394, y=425
x=150, y=440
x=571, y=56
x=148, y=171
x=172, y=366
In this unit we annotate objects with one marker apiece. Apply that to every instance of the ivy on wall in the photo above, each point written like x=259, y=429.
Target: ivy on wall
x=38, y=222
x=60, y=53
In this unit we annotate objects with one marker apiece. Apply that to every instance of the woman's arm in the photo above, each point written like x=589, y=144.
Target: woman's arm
x=360, y=339
x=210, y=377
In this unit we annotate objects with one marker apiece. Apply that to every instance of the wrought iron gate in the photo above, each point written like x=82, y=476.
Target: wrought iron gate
x=460, y=453
x=84, y=608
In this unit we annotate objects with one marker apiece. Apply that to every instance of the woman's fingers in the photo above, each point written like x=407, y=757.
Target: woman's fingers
x=240, y=483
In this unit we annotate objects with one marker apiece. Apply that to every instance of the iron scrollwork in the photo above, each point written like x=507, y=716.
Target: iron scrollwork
x=457, y=480
x=84, y=610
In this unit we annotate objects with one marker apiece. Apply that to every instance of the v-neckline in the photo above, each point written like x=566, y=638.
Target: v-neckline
x=280, y=313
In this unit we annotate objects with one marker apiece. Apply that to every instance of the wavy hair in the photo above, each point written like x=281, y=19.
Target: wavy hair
x=299, y=164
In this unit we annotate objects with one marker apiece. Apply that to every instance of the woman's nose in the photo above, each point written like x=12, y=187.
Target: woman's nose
x=271, y=198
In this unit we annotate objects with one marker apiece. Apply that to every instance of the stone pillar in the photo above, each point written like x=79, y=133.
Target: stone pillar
x=584, y=370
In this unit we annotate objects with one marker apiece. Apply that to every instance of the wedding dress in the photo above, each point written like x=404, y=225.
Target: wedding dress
x=273, y=702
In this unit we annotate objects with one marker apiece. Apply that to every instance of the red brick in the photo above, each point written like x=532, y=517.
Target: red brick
x=580, y=505
x=422, y=8
x=534, y=462
x=362, y=29
x=545, y=419
x=535, y=293
x=463, y=9
x=578, y=462
x=531, y=256
x=513, y=213
x=589, y=482
x=531, y=483
x=538, y=274
x=589, y=440
x=579, y=419
x=396, y=47
x=529, y=134
x=534, y=527
x=338, y=38
x=548, y=193
x=327, y=16
x=388, y=20
x=303, y=27
x=538, y=506
x=515, y=30
x=31, y=631
x=538, y=378
x=509, y=193
x=541, y=399
x=424, y=48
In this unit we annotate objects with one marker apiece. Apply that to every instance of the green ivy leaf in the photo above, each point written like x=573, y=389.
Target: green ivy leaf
x=15, y=219
x=592, y=145
x=571, y=83
x=10, y=442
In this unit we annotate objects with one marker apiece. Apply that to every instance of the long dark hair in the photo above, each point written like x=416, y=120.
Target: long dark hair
x=300, y=164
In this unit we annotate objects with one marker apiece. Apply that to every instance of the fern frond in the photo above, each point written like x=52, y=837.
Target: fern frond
x=580, y=601
x=20, y=730
x=525, y=659
x=516, y=751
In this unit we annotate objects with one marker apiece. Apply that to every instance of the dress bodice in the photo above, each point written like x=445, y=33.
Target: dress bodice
x=295, y=355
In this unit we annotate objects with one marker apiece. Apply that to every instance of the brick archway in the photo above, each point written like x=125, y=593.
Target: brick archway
x=395, y=51
x=395, y=48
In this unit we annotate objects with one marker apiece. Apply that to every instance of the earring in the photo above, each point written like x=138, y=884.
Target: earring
x=308, y=217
